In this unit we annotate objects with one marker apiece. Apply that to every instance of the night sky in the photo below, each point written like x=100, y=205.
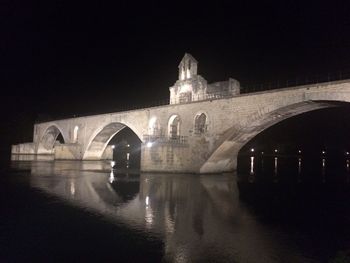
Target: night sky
x=65, y=58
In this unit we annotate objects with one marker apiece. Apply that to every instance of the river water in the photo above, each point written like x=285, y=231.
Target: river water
x=276, y=209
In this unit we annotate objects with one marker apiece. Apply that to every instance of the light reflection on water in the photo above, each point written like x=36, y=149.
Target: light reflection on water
x=293, y=168
x=251, y=174
x=299, y=169
x=275, y=170
x=197, y=217
x=323, y=170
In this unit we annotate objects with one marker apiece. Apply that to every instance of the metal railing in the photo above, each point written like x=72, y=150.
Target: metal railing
x=200, y=129
x=297, y=81
x=45, y=118
x=182, y=140
x=207, y=96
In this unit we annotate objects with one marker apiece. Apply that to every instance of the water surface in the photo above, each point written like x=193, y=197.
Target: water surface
x=76, y=211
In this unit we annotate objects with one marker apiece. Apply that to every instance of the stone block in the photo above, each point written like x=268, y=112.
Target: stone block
x=68, y=152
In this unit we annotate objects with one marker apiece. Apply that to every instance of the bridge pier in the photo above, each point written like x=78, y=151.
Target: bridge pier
x=224, y=159
x=64, y=151
x=68, y=151
x=171, y=157
x=24, y=148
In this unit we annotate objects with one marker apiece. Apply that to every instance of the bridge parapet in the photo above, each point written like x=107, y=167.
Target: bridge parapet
x=203, y=97
x=162, y=139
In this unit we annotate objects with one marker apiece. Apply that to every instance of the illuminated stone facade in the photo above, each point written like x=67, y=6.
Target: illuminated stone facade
x=184, y=137
x=193, y=87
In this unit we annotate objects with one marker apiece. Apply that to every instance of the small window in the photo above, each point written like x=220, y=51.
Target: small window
x=200, y=124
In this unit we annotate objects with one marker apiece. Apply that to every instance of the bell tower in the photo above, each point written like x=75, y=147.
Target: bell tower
x=187, y=67
x=190, y=86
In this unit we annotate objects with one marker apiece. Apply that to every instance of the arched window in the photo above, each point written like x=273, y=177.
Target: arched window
x=75, y=134
x=188, y=74
x=174, y=127
x=154, y=127
x=200, y=124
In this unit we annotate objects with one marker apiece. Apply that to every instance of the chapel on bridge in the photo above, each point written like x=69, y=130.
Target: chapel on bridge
x=193, y=87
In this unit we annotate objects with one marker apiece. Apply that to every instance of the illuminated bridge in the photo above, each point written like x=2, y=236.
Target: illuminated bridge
x=200, y=131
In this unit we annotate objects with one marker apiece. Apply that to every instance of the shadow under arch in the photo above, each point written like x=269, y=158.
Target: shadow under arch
x=49, y=138
x=99, y=141
x=224, y=157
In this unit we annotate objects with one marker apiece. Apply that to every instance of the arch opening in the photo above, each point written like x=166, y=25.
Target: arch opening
x=312, y=146
x=174, y=127
x=59, y=139
x=126, y=148
x=224, y=157
x=113, y=140
x=51, y=137
x=200, y=123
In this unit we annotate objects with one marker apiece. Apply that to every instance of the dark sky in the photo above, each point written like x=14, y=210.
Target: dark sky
x=61, y=58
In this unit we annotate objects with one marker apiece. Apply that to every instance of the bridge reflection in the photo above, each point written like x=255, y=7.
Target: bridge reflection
x=197, y=217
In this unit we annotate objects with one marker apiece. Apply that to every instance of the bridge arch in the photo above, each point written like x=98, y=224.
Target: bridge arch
x=48, y=139
x=100, y=139
x=224, y=157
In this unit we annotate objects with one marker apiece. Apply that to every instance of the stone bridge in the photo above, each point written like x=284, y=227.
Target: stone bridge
x=198, y=132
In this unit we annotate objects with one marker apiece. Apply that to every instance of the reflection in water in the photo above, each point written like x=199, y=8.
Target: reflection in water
x=275, y=170
x=111, y=177
x=299, y=165
x=251, y=174
x=299, y=169
x=252, y=164
x=294, y=169
x=148, y=214
x=199, y=218
x=72, y=187
x=323, y=174
x=348, y=171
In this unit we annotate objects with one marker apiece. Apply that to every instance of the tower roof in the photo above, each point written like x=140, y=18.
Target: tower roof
x=186, y=57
